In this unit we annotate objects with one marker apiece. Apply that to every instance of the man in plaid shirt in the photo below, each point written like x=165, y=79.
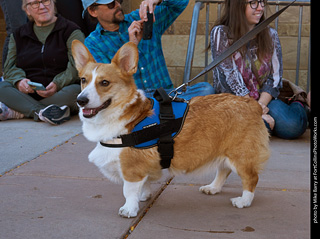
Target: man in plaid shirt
x=115, y=29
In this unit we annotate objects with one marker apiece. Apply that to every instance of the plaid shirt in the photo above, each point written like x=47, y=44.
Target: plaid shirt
x=152, y=71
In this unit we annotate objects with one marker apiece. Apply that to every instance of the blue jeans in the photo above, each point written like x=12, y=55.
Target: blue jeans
x=290, y=120
x=199, y=89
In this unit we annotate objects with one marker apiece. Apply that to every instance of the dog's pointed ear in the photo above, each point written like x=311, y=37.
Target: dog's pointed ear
x=127, y=58
x=81, y=54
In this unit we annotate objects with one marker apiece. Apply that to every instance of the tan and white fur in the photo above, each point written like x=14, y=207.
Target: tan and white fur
x=223, y=130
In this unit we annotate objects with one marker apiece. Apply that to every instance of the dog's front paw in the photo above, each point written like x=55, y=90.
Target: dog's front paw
x=128, y=212
x=244, y=201
x=209, y=190
x=239, y=202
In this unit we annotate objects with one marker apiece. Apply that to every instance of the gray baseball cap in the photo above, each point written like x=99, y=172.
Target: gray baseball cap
x=88, y=3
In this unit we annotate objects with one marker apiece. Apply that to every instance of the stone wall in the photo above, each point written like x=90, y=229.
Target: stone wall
x=175, y=40
x=288, y=32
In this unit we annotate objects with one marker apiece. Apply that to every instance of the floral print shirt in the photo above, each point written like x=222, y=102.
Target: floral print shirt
x=235, y=75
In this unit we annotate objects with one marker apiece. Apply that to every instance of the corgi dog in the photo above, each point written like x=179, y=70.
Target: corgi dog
x=221, y=132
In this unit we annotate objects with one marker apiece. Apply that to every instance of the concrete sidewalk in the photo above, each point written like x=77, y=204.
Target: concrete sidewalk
x=61, y=195
x=24, y=140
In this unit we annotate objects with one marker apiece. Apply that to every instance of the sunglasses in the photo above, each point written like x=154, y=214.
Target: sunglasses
x=109, y=5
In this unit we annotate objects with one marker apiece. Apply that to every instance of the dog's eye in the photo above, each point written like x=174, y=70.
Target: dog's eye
x=83, y=80
x=104, y=83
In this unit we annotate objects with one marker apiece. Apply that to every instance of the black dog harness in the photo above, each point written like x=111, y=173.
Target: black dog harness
x=159, y=129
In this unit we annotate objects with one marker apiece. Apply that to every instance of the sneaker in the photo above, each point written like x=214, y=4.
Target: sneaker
x=6, y=113
x=54, y=114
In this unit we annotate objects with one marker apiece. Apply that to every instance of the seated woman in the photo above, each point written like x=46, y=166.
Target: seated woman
x=256, y=69
x=40, y=51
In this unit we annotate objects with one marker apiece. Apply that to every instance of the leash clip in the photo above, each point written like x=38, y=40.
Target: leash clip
x=176, y=92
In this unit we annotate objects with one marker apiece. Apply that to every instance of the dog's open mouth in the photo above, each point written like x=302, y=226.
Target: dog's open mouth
x=90, y=112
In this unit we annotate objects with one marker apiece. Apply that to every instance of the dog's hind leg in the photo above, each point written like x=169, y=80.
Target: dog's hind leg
x=249, y=183
x=217, y=184
x=131, y=191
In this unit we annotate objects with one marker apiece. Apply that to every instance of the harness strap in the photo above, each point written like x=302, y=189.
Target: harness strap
x=147, y=134
x=166, y=116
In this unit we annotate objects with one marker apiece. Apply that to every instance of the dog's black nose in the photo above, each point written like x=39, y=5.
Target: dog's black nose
x=82, y=100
